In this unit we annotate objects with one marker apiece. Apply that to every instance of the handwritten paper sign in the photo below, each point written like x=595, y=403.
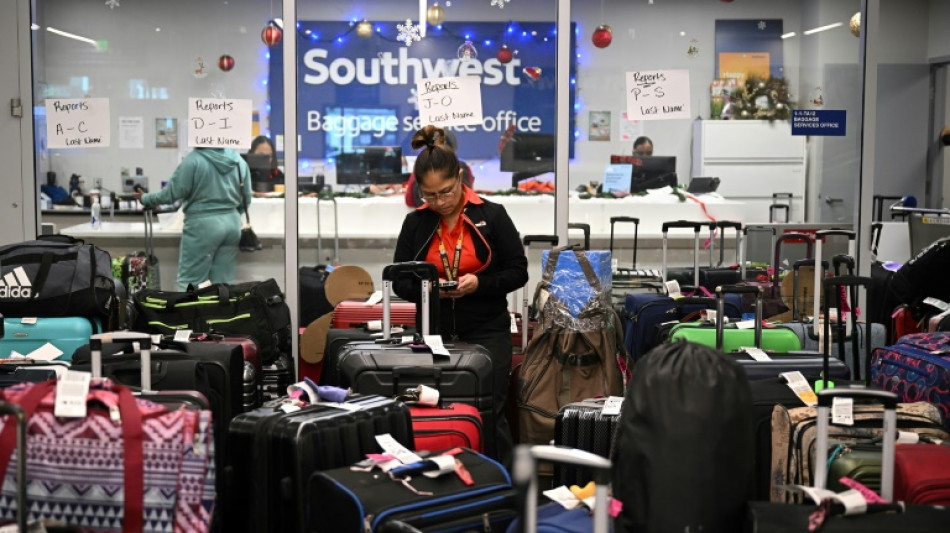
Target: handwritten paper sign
x=450, y=101
x=77, y=123
x=658, y=94
x=219, y=123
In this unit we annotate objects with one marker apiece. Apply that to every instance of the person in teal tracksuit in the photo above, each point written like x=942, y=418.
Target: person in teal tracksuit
x=207, y=182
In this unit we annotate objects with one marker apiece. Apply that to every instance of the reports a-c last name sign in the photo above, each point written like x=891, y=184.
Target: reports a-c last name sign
x=77, y=123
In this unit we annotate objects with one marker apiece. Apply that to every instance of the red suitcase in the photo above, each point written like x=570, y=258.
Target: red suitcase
x=903, y=323
x=350, y=314
x=441, y=428
x=922, y=474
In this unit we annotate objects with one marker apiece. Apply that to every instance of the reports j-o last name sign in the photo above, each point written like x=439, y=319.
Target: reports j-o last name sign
x=219, y=123
x=77, y=122
x=657, y=94
x=455, y=101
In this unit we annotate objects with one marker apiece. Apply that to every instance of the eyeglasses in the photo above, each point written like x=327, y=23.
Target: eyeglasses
x=434, y=197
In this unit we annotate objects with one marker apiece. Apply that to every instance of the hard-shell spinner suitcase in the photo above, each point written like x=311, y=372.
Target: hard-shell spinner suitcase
x=628, y=280
x=252, y=377
x=275, y=452
x=387, y=369
x=24, y=335
x=584, y=426
x=552, y=517
x=721, y=274
x=766, y=517
x=345, y=499
x=644, y=313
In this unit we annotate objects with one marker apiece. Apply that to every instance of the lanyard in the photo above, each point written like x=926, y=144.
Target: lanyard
x=451, y=273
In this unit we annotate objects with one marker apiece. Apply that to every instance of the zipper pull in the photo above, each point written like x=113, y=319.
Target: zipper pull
x=368, y=524
x=486, y=523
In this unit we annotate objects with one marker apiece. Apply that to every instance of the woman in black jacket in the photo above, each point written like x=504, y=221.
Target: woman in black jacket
x=472, y=242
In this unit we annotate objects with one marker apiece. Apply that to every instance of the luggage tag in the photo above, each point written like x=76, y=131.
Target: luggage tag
x=28, y=320
x=71, y=393
x=799, y=385
x=435, y=343
x=612, y=406
x=842, y=411
x=374, y=298
x=182, y=335
x=673, y=289
x=757, y=354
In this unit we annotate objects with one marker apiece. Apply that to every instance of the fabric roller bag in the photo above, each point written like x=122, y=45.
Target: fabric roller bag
x=257, y=309
x=127, y=465
x=55, y=276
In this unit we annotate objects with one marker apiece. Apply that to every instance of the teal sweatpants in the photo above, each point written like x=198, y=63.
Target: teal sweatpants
x=209, y=248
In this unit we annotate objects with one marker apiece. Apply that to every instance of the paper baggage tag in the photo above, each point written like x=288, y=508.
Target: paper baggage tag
x=514, y=323
x=673, y=289
x=816, y=495
x=47, y=352
x=842, y=411
x=907, y=437
x=407, y=339
x=400, y=452
x=156, y=339
x=799, y=385
x=427, y=396
x=711, y=315
x=612, y=406
x=563, y=496
x=853, y=501
x=757, y=354
x=435, y=343
x=28, y=320
x=746, y=324
x=374, y=298
x=374, y=325
x=182, y=335
x=205, y=283
x=71, y=393
x=446, y=465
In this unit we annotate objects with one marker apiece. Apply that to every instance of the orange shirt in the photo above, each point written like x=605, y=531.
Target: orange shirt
x=469, y=262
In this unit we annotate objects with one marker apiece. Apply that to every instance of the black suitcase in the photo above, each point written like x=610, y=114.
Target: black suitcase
x=274, y=454
x=387, y=369
x=777, y=517
x=344, y=500
x=582, y=425
x=337, y=339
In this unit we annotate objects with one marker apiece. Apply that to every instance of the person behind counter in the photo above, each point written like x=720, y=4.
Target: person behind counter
x=208, y=182
x=264, y=174
x=473, y=242
x=643, y=146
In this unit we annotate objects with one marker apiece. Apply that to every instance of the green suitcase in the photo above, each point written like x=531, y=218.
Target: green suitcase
x=775, y=340
x=861, y=463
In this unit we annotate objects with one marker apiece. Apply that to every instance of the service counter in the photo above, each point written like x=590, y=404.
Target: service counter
x=368, y=228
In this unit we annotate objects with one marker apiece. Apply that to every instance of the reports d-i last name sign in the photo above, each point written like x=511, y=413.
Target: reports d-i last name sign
x=819, y=122
x=219, y=123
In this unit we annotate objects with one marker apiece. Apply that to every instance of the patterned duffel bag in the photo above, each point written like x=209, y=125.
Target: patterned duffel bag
x=128, y=465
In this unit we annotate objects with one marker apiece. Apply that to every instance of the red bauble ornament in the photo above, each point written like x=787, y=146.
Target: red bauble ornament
x=602, y=36
x=504, y=55
x=271, y=34
x=226, y=63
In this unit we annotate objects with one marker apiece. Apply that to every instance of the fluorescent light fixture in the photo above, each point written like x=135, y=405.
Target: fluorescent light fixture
x=789, y=34
x=823, y=28
x=72, y=36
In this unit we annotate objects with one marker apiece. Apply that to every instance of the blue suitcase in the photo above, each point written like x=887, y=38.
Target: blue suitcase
x=645, y=312
x=24, y=335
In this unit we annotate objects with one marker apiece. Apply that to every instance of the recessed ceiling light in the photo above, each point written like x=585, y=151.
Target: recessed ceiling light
x=789, y=34
x=823, y=28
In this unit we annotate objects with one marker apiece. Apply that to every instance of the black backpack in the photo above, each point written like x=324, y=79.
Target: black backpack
x=684, y=452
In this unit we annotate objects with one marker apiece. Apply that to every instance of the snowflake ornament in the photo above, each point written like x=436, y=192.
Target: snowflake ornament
x=413, y=99
x=499, y=3
x=408, y=33
x=761, y=25
x=112, y=4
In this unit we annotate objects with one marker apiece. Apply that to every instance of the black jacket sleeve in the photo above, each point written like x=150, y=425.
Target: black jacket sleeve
x=511, y=265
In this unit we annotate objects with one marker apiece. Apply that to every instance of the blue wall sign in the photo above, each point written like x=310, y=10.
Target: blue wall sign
x=824, y=122
x=361, y=92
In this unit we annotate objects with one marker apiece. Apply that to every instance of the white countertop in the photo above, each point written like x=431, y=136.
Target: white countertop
x=381, y=217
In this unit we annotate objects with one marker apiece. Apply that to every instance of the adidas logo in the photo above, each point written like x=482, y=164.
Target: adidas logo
x=16, y=284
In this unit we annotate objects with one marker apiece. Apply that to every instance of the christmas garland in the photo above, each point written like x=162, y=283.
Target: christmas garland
x=760, y=99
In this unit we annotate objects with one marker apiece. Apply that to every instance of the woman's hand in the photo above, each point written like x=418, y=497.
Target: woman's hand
x=467, y=285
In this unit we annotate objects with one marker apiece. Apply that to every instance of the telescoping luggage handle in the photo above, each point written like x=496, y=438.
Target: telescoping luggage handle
x=722, y=226
x=528, y=240
x=525, y=479
x=830, y=290
x=744, y=246
x=819, y=238
x=17, y=412
x=636, y=236
x=145, y=346
x=426, y=272
x=149, y=236
x=336, y=230
x=889, y=400
x=721, y=292
x=683, y=224
x=583, y=227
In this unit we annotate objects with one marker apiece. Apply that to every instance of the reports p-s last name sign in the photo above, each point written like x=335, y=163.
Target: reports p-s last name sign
x=825, y=122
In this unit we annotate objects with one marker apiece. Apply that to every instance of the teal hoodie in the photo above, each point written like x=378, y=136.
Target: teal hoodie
x=206, y=182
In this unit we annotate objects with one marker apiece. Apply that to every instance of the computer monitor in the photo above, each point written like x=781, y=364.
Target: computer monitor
x=528, y=155
x=263, y=177
x=649, y=172
x=361, y=165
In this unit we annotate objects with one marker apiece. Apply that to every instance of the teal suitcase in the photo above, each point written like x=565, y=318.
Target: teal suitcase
x=22, y=336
